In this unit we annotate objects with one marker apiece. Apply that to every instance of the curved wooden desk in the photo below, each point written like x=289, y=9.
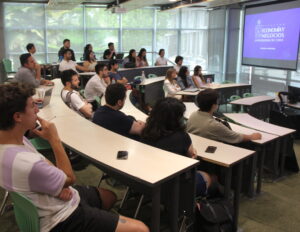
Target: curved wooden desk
x=146, y=169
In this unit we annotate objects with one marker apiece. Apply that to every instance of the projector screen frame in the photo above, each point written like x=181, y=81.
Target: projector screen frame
x=253, y=5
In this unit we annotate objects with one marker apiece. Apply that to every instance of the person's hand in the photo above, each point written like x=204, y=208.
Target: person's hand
x=49, y=83
x=256, y=136
x=66, y=194
x=124, y=80
x=194, y=156
x=48, y=130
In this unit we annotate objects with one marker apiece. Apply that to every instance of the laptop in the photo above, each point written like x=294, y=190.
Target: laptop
x=119, y=56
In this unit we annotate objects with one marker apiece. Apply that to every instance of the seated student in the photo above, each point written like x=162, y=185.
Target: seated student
x=165, y=129
x=96, y=86
x=114, y=75
x=161, y=60
x=67, y=63
x=130, y=60
x=110, y=117
x=141, y=59
x=170, y=84
x=71, y=97
x=60, y=206
x=178, y=61
x=184, y=79
x=198, y=78
x=90, y=61
x=110, y=53
x=29, y=73
x=86, y=49
x=202, y=123
x=66, y=45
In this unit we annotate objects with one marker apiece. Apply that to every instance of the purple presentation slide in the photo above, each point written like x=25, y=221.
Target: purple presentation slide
x=272, y=35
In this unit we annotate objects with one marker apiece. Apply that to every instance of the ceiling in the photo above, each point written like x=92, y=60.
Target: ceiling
x=135, y=4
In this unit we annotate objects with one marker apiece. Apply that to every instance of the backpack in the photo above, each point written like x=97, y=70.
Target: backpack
x=214, y=215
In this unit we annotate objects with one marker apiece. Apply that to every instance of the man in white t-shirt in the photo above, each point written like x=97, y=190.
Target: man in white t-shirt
x=96, y=86
x=72, y=97
x=161, y=60
x=68, y=63
x=60, y=206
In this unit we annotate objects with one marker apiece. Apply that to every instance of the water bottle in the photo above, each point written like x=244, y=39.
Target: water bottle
x=143, y=77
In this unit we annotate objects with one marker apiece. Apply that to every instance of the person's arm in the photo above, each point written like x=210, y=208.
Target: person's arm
x=87, y=110
x=82, y=68
x=180, y=83
x=253, y=136
x=49, y=132
x=196, y=82
x=171, y=89
x=86, y=65
x=137, y=127
x=122, y=81
x=192, y=152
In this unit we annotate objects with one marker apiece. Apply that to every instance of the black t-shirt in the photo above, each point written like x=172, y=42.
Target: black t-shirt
x=178, y=142
x=114, y=120
x=107, y=53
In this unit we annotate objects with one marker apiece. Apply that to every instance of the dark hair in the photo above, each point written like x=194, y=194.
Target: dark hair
x=13, y=98
x=24, y=58
x=111, y=63
x=110, y=43
x=164, y=119
x=182, y=74
x=66, y=76
x=196, y=72
x=141, y=52
x=130, y=57
x=66, y=50
x=178, y=58
x=99, y=67
x=66, y=40
x=114, y=93
x=85, y=51
x=206, y=98
x=29, y=46
x=161, y=50
x=88, y=56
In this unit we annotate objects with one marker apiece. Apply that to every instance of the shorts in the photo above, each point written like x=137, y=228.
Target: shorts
x=88, y=216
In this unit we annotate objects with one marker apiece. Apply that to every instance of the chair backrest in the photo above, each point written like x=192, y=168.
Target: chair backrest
x=234, y=97
x=40, y=144
x=26, y=213
x=7, y=65
x=151, y=75
x=247, y=95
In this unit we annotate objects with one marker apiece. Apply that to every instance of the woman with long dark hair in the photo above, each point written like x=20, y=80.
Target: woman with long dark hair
x=198, y=78
x=90, y=61
x=184, y=79
x=86, y=49
x=141, y=59
x=165, y=129
x=130, y=60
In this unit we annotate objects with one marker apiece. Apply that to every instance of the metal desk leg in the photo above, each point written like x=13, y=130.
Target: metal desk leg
x=284, y=154
x=260, y=169
x=276, y=157
x=174, y=204
x=252, y=175
x=236, y=203
x=227, y=182
x=155, y=215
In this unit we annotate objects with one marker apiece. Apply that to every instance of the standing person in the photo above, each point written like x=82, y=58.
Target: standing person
x=178, y=61
x=170, y=84
x=114, y=75
x=30, y=73
x=161, y=60
x=110, y=53
x=96, y=86
x=66, y=45
x=72, y=97
x=198, y=78
x=32, y=50
x=130, y=60
x=184, y=79
x=90, y=61
x=49, y=186
x=141, y=59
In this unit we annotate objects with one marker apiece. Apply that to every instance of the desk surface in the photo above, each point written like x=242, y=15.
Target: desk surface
x=152, y=80
x=249, y=121
x=145, y=163
x=248, y=101
x=296, y=105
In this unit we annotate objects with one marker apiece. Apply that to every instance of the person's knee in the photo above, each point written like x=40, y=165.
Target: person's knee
x=141, y=227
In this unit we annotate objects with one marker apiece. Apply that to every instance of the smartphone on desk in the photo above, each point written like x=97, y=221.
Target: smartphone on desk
x=122, y=155
x=211, y=149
